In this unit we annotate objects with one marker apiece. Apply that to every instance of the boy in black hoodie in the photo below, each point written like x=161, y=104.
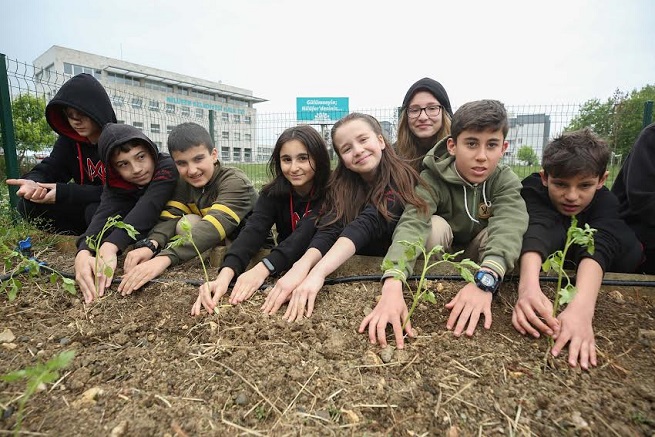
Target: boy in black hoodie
x=635, y=189
x=77, y=113
x=571, y=184
x=139, y=182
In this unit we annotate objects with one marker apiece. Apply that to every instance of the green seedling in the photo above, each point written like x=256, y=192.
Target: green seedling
x=41, y=373
x=185, y=237
x=564, y=294
x=95, y=241
x=17, y=263
x=421, y=292
x=555, y=262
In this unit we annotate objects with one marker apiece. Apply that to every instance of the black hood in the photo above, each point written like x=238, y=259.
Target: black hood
x=114, y=135
x=84, y=93
x=434, y=88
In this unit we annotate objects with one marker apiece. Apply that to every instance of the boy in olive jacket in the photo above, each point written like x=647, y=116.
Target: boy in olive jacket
x=214, y=199
x=475, y=205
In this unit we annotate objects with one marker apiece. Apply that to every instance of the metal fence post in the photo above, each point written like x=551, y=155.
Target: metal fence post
x=648, y=113
x=211, y=127
x=8, y=139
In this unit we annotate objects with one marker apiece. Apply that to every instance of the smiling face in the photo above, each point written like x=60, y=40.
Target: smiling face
x=196, y=164
x=424, y=126
x=359, y=148
x=136, y=166
x=572, y=195
x=83, y=125
x=477, y=153
x=297, y=166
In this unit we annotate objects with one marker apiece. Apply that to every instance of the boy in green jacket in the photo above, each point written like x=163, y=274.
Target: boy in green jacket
x=476, y=205
x=214, y=199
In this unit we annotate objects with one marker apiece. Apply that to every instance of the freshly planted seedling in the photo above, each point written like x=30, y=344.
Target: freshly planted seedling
x=421, y=292
x=18, y=261
x=187, y=238
x=564, y=294
x=95, y=241
x=42, y=373
x=555, y=262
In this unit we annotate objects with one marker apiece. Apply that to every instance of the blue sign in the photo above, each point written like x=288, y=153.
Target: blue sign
x=321, y=109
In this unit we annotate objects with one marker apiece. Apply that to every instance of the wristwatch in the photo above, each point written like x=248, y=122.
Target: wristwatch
x=486, y=281
x=268, y=265
x=147, y=243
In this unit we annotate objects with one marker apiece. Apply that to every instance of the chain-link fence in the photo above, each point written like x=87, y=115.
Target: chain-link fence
x=243, y=136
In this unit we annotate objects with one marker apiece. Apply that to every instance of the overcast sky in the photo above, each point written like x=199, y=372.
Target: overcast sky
x=520, y=52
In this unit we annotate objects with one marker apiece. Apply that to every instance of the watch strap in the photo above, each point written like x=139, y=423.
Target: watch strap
x=267, y=263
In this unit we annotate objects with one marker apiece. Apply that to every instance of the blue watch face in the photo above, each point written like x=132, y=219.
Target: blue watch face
x=488, y=280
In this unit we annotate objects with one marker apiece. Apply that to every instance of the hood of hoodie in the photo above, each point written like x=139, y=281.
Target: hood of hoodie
x=84, y=93
x=114, y=135
x=434, y=88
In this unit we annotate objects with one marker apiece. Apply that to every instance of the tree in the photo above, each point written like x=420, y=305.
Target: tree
x=527, y=155
x=31, y=130
x=619, y=119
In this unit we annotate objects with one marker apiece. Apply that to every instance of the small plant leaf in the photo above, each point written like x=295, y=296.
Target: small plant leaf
x=386, y=265
x=69, y=285
x=53, y=277
x=108, y=271
x=429, y=297
x=567, y=294
x=546, y=265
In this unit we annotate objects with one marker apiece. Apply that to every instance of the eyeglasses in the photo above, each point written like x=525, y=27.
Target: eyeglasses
x=431, y=111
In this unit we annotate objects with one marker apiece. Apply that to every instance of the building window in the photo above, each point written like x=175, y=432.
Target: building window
x=137, y=103
x=170, y=108
x=200, y=113
x=122, y=79
x=237, y=136
x=118, y=100
x=247, y=137
x=247, y=119
x=236, y=118
x=225, y=135
x=170, y=128
x=155, y=128
x=138, y=125
x=225, y=117
x=225, y=153
x=158, y=86
x=153, y=105
x=120, y=121
x=182, y=90
x=185, y=111
x=158, y=143
x=247, y=155
x=74, y=70
x=236, y=154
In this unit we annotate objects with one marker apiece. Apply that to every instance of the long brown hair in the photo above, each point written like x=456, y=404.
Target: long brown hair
x=408, y=145
x=347, y=191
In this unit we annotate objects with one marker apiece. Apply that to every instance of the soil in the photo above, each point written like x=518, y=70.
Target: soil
x=144, y=366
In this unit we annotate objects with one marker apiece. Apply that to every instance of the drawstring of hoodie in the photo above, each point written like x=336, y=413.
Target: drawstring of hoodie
x=466, y=205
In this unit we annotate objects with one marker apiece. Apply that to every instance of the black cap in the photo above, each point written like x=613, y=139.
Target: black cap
x=434, y=88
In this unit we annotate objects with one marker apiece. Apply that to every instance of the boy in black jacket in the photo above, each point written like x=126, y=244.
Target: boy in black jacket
x=635, y=189
x=77, y=113
x=571, y=184
x=139, y=182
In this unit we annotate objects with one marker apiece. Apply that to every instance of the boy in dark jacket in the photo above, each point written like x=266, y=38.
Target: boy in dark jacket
x=77, y=113
x=635, y=189
x=571, y=184
x=214, y=199
x=139, y=182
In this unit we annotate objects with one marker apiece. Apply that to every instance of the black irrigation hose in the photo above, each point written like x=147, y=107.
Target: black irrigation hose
x=370, y=278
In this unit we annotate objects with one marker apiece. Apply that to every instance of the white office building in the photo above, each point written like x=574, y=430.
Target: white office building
x=155, y=101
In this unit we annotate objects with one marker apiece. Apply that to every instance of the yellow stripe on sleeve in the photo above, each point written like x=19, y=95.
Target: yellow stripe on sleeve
x=179, y=205
x=166, y=214
x=219, y=227
x=226, y=210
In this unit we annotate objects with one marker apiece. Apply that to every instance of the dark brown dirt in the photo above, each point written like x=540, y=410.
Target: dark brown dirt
x=159, y=371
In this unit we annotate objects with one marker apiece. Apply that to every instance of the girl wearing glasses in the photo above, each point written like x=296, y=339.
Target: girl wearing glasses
x=367, y=194
x=424, y=121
